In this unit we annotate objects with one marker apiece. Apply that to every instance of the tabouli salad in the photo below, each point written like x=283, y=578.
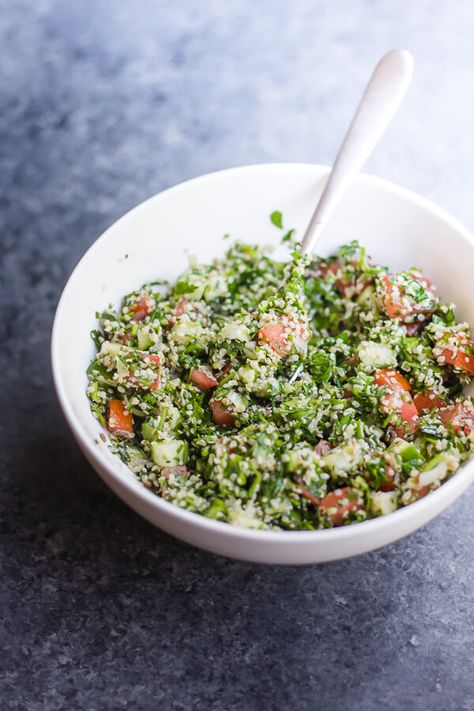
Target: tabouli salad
x=293, y=395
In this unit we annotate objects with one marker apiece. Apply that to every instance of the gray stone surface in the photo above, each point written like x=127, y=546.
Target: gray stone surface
x=101, y=105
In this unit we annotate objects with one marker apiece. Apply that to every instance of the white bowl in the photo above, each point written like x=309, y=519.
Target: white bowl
x=399, y=228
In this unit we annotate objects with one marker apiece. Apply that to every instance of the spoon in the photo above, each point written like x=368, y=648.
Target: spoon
x=382, y=97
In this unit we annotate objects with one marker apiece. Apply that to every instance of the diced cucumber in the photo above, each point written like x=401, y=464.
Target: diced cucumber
x=300, y=458
x=110, y=349
x=148, y=431
x=186, y=330
x=235, y=331
x=172, y=452
x=409, y=453
x=145, y=337
x=165, y=422
x=216, y=286
x=247, y=375
x=137, y=458
x=405, y=449
x=438, y=468
x=344, y=458
x=216, y=508
x=236, y=401
x=384, y=502
x=366, y=296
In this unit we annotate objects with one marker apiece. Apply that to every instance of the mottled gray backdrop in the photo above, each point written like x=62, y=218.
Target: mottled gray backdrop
x=101, y=105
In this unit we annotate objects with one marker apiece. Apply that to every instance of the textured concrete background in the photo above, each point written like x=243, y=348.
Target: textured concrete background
x=101, y=105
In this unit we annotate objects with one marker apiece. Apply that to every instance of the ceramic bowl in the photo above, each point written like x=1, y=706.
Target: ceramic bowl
x=154, y=240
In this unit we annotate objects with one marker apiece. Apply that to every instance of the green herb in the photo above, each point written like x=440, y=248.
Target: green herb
x=277, y=219
x=245, y=396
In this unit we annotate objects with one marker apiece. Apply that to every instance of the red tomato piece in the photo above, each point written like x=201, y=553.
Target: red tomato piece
x=180, y=309
x=392, y=299
x=413, y=328
x=399, y=304
x=390, y=472
x=225, y=370
x=275, y=335
x=153, y=359
x=220, y=415
x=149, y=359
x=330, y=268
x=203, y=377
x=427, y=401
x=323, y=447
x=459, y=354
x=308, y=495
x=460, y=416
x=419, y=492
x=397, y=398
x=342, y=285
x=142, y=308
x=392, y=379
x=339, y=503
x=389, y=484
x=119, y=420
x=346, y=287
x=177, y=471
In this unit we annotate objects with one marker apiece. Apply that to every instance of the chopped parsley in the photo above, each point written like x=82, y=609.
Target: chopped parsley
x=287, y=395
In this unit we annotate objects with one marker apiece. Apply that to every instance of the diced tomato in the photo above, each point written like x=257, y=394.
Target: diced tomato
x=460, y=416
x=226, y=369
x=427, y=401
x=276, y=335
x=179, y=310
x=351, y=287
x=389, y=484
x=459, y=354
x=342, y=285
x=417, y=491
x=346, y=287
x=142, y=308
x=149, y=359
x=423, y=491
x=153, y=359
x=308, y=495
x=413, y=328
x=398, y=304
x=203, y=377
x=323, y=447
x=409, y=415
x=392, y=379
x=179, y=470
x=329, y=268
x=339, y=503
x=220, y=415
x=397, y=398
x=119, y=420
x=392, y=301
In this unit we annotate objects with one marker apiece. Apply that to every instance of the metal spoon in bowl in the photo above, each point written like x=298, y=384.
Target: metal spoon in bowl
x=382, y=97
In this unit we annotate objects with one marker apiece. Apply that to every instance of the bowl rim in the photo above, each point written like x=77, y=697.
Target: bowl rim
x=196, y=520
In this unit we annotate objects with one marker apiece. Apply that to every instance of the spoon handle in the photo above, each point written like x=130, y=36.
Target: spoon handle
x=381, y=99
